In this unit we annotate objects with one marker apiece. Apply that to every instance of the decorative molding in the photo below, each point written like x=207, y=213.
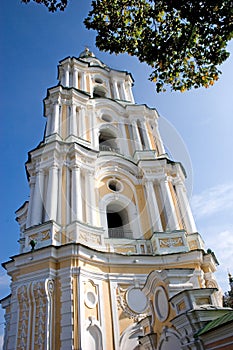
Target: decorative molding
x=23, y=318
x=121, y=295
x=171, y=242
x=89, y=237
x=38, y=290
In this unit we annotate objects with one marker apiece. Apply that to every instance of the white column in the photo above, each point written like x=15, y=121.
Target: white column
x=37, y=200
x=185, y=208
x=115, y=90
x=52, y=194
x=68, y=195
x=83, y=82
x=159, y=141
x=68, y=119
x=67, y=75
x=73, y=121
x=82, y=130
x=49, y=124
x=130, y=94
x=93, y=128
x=124, y=94
x=89, y=198
x=30, y=204
x=146, y=136
x=56, y=121
x=59, y=196
x=137, y=139
x=150, y=136
x=172, y=220
x=123, y=144
x=76, y=195
x=89, y=126
x=93, y=208
x=153, y=207
x=75, y=78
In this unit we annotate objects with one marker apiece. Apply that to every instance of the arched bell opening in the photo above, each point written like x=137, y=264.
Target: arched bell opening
x=99, y=92
x=118, y=221
x=107, y=141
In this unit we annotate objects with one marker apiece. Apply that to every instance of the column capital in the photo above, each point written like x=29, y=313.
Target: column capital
x=162, y=178
x=57, y=101
x=67, y=65
x=53, y=166
x=91, y=173
x=75, y=167
x=39, y=171
x=178, y=182
x=148, y=179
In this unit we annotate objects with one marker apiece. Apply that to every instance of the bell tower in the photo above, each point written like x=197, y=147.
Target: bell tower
x=107, y=238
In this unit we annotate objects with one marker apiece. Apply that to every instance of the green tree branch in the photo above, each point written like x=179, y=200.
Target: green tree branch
x=184, y=41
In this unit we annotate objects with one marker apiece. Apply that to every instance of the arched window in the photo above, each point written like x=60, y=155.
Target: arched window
x=118, y=221
x=107, y=141
x=99, y=92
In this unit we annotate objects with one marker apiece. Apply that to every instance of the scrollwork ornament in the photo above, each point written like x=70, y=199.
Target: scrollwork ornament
x=123, y=305
x=23, y=300
x=40, y=310
x=50, y=287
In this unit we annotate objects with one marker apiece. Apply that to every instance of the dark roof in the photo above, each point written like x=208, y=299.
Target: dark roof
x=218, y=322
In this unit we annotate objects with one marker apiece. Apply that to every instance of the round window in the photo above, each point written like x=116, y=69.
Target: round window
x=115, y=185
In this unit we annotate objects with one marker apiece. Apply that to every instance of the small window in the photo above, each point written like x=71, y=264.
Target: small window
x=115, y=185
x=106, y=118
x=98, y=81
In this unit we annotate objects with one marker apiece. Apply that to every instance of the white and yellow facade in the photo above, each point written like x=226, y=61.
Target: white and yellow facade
x=110, y=256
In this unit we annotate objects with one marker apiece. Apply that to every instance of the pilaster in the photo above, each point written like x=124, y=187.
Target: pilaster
x=66, y=321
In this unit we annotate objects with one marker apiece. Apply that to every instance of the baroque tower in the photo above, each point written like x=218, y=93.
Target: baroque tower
x=110, y=257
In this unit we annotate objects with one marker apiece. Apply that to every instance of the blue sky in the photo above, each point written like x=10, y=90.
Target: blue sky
x=197, y=126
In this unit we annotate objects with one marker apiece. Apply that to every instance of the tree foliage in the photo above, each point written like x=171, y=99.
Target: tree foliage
x=52, y=5
x=183, y=41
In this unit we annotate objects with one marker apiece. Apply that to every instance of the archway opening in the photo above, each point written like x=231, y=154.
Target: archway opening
x=118, y=221
x=107, y=141
x=99, y=92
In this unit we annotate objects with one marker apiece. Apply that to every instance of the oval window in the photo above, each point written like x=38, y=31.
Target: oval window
x=115, y=185
x=98, y=81
x=106, y=118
